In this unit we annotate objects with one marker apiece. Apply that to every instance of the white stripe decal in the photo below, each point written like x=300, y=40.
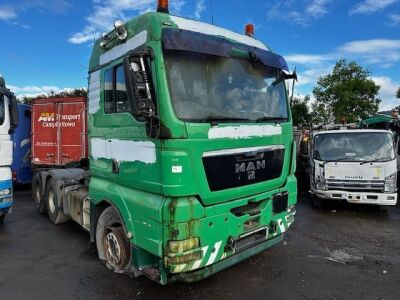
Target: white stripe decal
x=94, y=92
x=197, y=263
x=179, y=268
x=120, y=50
x=214, y=254
x=243, y=131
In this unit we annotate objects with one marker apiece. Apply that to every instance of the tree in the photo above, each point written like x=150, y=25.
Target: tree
x=300, y=111
x=398, y=93
x=63, y=94
x=348, y=92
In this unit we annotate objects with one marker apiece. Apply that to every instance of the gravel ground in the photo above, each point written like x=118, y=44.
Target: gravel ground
x=338, y=252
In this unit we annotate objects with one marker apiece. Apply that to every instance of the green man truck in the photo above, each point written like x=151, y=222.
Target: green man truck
x=191, y=159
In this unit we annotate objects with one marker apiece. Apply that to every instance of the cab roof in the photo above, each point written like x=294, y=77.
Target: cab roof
x=148, y=27
x=351, y=131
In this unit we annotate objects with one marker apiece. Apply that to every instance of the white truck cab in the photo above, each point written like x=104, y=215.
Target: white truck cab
x=357, y=165
x=8, y=121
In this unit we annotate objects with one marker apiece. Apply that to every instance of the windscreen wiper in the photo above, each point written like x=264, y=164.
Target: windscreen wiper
x=271, y=119
x=340, y=159
x=372, y=161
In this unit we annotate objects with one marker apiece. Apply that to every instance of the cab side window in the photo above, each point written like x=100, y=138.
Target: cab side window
x=108, y=91
x=115, y=94
x=121, y=95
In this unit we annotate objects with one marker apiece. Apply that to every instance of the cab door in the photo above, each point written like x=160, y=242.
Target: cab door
x=132, y=156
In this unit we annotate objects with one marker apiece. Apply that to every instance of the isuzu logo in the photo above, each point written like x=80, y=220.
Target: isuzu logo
x=250, y=168
x=353, y=177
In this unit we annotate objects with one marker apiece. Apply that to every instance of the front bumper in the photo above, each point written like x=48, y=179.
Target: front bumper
x=228, y=236
x=6, y=201
x=358, y=197
x=225, y=263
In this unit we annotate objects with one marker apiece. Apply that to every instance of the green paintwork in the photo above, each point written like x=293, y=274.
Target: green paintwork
x=379, y=120
x=157, y=205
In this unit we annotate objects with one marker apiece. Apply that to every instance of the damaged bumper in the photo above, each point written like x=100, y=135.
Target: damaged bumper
x=225, y=263
x=358, y=197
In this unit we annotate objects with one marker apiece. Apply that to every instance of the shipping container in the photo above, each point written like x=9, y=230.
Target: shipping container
x=59, y=134
x=21, y=137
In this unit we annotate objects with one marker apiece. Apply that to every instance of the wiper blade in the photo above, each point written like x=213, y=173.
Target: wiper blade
x=272, y=119
x=221, y=118
x=372, y=161
x=340, y=159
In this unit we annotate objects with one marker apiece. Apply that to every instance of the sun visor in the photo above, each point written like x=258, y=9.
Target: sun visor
x=270, y=59
x=185, y=40
x=177, y=39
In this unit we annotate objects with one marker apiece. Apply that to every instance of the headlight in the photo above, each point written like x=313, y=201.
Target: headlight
x=391, y=183
x=182, y=252
x=182, y=246
x=321, y=185
x=5, y=192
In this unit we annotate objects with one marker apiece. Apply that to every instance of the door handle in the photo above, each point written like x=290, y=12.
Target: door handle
x=115, y=166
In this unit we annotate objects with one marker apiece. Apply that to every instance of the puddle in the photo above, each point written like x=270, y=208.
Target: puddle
x=338, y=256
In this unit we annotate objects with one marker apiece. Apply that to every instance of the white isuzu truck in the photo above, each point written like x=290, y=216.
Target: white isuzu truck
x=356, y=165
x=8, y=121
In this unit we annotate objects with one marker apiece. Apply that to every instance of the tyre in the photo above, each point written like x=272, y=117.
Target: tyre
x=382, y=208
x=112, y=244
x=2, y=217
x=40, y=203
x=316, y=202
x=53, y=197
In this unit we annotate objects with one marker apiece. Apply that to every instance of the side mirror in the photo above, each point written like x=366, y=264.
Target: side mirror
x=13, y=112
x=139, y=85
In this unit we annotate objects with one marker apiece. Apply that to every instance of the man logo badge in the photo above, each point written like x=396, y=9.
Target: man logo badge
x=250, y=168
x=251, y=175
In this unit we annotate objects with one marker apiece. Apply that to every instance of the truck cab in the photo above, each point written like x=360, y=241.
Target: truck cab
x=8, y=121
x=191, y=139
x=357, y=165
x=191, y=151
x=21, y=138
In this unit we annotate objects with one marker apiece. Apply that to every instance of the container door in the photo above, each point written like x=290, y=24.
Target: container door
x=44, y=133
x=72, y=132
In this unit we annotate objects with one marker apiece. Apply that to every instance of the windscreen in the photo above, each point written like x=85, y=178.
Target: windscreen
x=205, y=87
x=357, y=146
x=2, y=111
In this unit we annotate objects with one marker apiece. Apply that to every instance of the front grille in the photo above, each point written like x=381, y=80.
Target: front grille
x=356, y=186
x=239, y=167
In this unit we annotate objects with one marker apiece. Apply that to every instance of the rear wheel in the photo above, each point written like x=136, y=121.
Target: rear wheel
x=2, y=217
x=40, y=203
x=112, y=244
x=53, y=197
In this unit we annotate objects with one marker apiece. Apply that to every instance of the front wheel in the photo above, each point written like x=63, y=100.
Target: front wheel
x=317, y=202
x=112, y=244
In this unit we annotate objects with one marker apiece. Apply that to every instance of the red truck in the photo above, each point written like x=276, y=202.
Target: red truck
x=59, y=140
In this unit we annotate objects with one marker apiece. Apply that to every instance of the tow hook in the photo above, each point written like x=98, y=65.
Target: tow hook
x=230, y=244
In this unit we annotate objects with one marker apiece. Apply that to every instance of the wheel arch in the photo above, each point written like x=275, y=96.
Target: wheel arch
x=96, y=211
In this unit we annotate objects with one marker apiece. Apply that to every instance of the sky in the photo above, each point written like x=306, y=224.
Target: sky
x=46, y=44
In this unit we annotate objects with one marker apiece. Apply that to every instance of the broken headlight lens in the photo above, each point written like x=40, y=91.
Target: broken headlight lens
x=183, y=245
x=391, y=183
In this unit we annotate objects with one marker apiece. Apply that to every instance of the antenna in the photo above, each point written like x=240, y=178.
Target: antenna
x=212, y=15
